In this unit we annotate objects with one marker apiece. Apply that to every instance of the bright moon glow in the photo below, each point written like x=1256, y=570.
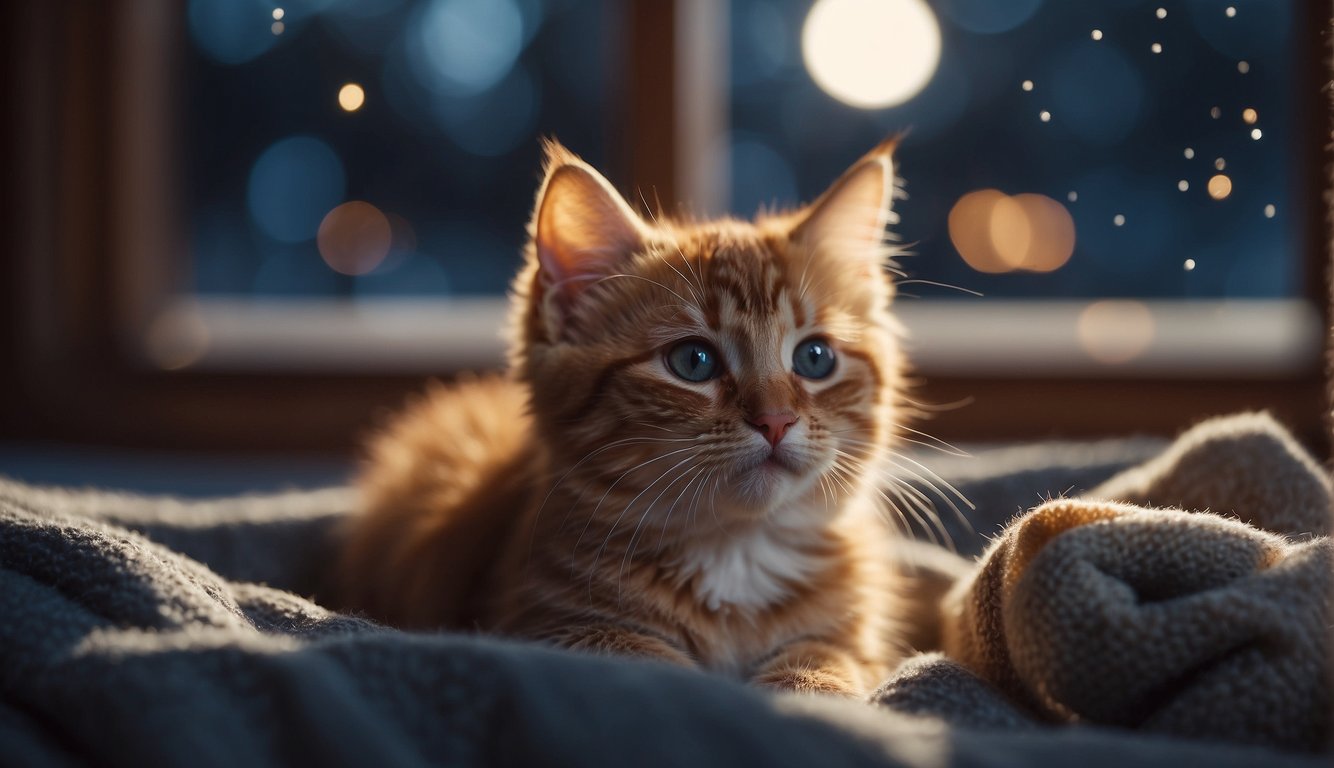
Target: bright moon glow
x=871, y=53
x=351, y=97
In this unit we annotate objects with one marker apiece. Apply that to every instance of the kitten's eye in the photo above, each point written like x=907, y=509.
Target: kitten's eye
x=813, y=358
x=693, y=361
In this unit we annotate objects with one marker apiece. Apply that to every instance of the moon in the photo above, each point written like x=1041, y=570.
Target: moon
x=871, y=54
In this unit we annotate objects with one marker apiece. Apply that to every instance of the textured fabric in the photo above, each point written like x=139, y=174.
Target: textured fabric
x=1213, y=623
x=132, y=632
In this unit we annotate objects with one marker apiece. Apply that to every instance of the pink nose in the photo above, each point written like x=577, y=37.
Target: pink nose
x=773, y=425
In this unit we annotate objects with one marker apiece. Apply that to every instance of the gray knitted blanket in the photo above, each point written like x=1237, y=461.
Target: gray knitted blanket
x=135, y=631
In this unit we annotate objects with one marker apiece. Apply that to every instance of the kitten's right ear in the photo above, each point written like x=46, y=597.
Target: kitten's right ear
x=582, y=227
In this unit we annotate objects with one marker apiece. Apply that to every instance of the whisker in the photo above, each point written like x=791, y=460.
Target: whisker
x=532, y=532
x=698, y=473
x=622, y=476
x=918, y=280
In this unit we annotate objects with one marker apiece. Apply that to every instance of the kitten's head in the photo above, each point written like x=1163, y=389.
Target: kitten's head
x=740, y=365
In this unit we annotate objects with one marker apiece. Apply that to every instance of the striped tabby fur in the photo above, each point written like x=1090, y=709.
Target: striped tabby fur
x=593, y=499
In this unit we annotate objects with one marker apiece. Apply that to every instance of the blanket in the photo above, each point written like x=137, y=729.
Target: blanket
x=1203, y=609
x=139, y=631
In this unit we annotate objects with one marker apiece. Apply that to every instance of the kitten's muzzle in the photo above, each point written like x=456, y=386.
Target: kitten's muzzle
x=773, y=425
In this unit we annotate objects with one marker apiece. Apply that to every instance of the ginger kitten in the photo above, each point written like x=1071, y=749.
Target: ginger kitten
x=683, y=461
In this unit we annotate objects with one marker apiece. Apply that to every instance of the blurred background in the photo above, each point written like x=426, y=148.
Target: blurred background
x=242, y=230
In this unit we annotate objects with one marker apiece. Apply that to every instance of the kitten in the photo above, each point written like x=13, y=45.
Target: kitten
x=683, y=461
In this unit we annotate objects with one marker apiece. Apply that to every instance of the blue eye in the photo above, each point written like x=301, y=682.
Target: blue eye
x=813, y=358
x=693, y=361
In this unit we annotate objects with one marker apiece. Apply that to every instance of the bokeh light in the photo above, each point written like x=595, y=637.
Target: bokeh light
x=494, y=122
x=1249, y=116
x=464, y=47
x=351, y=97
x=1256, y=134
x=1270, y=210
x=177, y=338
x=1220, y=186
x=871, y=53
x=1096, y=34
x=1183, y=185
x=1115, y=331
x=1027, y=85
x=1188, y=265
x=994, y=232
x=354, y=238
x=231, y=31
x=291, y=186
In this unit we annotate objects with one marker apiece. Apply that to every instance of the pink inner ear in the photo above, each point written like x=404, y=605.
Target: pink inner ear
x=851, y=215
x=583, y=228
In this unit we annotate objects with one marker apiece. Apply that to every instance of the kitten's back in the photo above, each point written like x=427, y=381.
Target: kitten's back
x=442, y=487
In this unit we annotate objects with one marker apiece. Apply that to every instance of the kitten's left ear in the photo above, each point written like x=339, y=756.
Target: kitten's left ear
x=582, y=228
x=849, y=219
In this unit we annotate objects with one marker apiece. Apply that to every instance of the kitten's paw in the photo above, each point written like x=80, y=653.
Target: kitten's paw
x=808, y=681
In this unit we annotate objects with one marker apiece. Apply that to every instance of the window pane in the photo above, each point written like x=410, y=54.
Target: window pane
x=1132, y=149
x=368, y=148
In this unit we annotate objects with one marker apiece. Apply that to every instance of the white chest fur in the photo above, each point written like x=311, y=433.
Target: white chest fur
x=748, y=570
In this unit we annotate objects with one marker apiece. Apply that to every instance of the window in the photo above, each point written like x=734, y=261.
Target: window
x=267, y=213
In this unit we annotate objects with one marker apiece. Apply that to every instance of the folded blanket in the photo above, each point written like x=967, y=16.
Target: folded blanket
x=1212, y=623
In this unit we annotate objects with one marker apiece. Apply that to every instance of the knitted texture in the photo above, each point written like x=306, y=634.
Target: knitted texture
x=1209, y=618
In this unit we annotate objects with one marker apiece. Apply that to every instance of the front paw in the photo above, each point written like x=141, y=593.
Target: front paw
x=808, y=681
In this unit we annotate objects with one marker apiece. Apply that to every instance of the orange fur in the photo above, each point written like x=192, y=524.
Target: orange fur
x=598, y=501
